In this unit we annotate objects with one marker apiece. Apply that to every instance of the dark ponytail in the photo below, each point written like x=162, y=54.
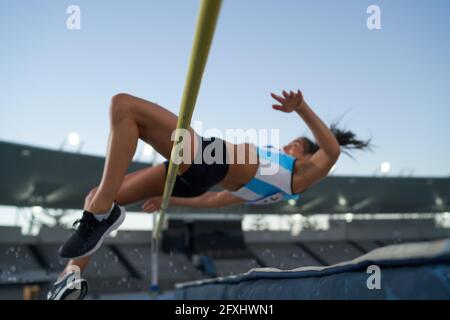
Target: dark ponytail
x=346, y=139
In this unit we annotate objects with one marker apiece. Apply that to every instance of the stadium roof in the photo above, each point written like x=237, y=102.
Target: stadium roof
x=31, y=176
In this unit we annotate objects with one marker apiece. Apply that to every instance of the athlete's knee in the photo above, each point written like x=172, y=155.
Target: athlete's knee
x=121, y=98
x=120, y=105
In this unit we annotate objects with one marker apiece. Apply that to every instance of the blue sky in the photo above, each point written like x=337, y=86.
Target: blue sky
x=392, y=84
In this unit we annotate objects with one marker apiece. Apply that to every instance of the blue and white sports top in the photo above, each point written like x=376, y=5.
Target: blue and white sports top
x=273, y=180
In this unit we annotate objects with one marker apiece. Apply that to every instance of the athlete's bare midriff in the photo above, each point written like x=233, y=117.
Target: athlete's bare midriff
x=243, y=165
x=241, y=173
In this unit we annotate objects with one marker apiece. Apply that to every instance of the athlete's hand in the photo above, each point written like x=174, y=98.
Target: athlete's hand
x=153, y=204
x=292, y=101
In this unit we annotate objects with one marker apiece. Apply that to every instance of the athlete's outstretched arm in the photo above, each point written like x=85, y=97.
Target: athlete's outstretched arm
x=324, y=137
x=206, y=200
x=324, y=159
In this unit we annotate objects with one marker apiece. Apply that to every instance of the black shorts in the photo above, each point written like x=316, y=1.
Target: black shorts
x=202, y=175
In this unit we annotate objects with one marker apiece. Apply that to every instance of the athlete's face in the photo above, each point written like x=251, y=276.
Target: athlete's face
x=296, y=148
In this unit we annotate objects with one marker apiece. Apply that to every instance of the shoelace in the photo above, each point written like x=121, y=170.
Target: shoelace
x=85, y=224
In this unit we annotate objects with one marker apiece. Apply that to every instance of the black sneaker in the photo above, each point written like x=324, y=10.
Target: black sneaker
x=90, y=233
x=68, y=287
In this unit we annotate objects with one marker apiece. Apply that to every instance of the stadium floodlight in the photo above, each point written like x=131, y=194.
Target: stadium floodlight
x=37, y=210
x=385, y=167
x=342, y=201
x=74, y=139
x=148, y=150
x=349, y=217
x=438, y=201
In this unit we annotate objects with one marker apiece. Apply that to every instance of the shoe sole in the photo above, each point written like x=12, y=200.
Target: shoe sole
x=77, y=294
x=110, y=229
